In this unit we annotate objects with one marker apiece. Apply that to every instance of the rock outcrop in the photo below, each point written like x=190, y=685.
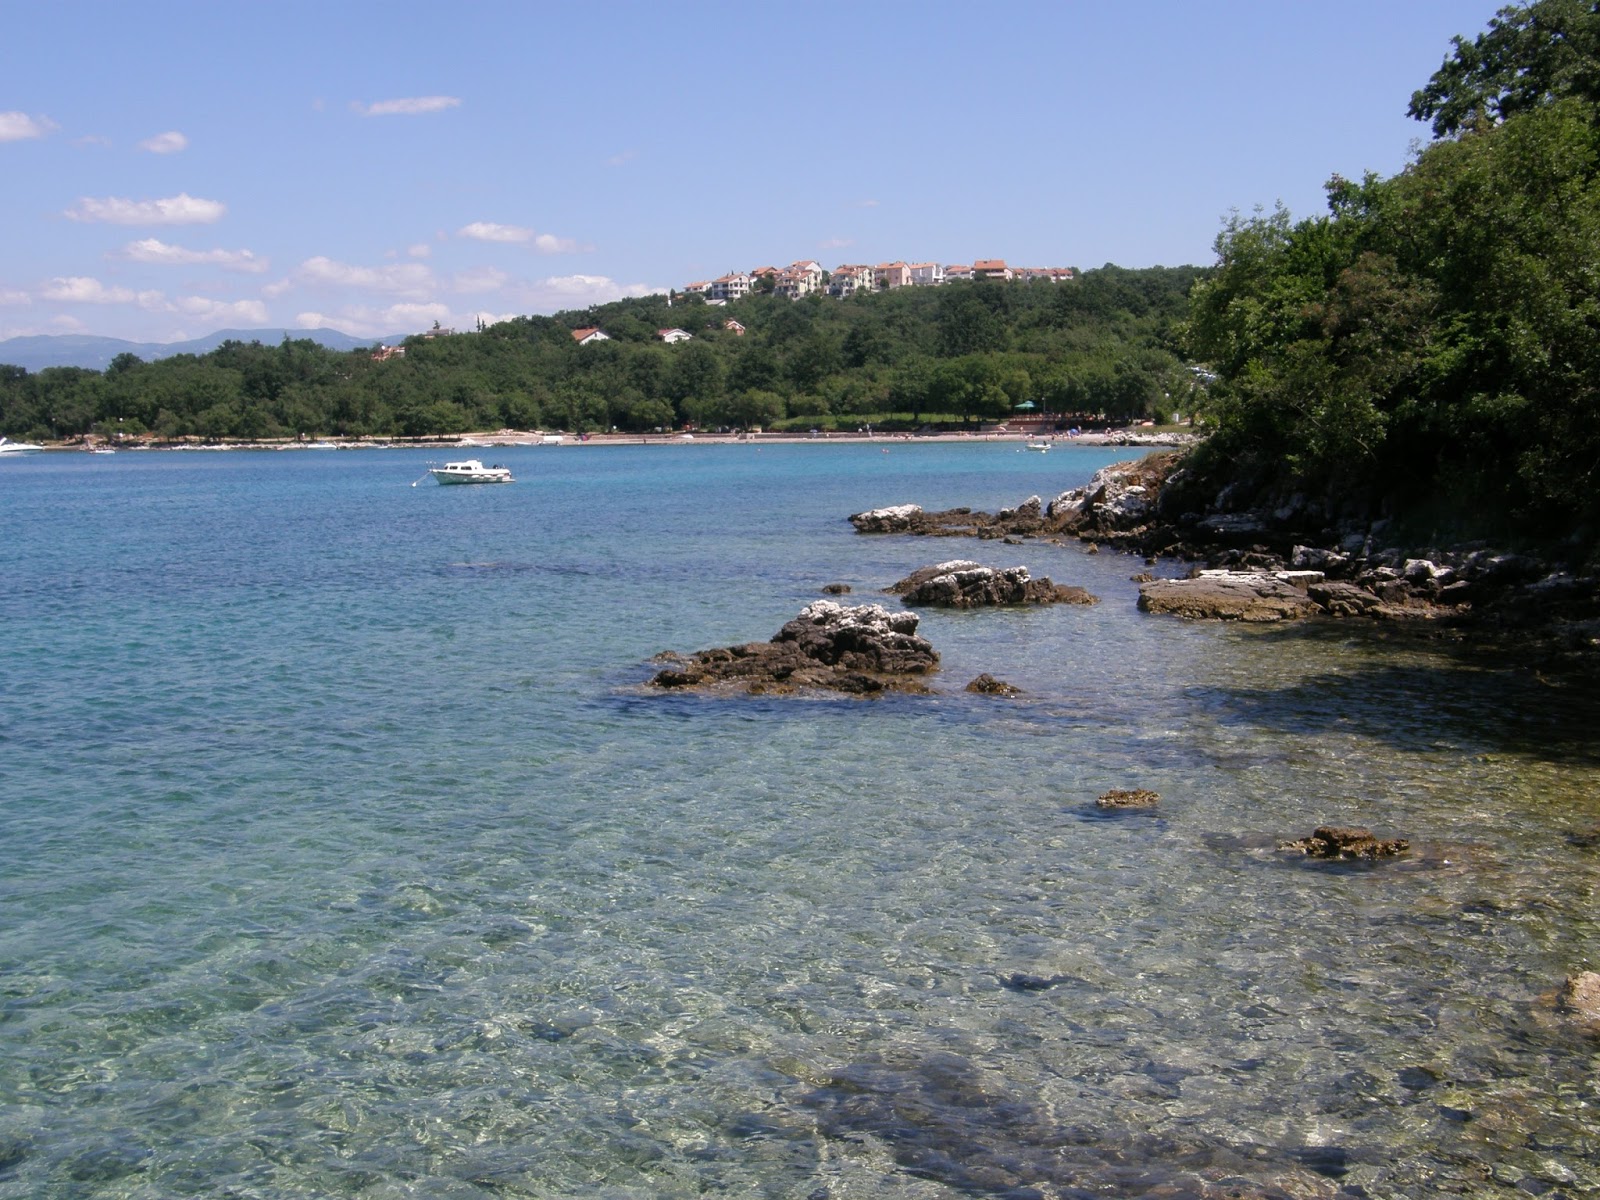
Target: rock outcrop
x=1157, y=506
x=963, y=584
x=861, y=650
x=1252, y=597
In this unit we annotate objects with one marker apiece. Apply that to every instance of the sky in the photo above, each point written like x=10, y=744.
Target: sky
x=168, y=169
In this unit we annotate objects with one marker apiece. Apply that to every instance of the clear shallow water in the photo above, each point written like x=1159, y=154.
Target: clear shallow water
x=342, y=854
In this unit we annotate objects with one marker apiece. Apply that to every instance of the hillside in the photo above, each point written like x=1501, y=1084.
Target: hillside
x=1105, y=345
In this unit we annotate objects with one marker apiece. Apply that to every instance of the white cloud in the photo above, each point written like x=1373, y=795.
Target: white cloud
x=182, y=209
x=519, y=235
x=281, y=288
x=170, y=142
x=235, y=312
x=19, y=126
x=488, y=231
x=408, y=107
x=363, y=321
x=419, y=250
x=81, y=289
x=575, y=291
x=548, y=243
x=11, y=296
x=835, y=243
x=405, y=279
x=154, y=251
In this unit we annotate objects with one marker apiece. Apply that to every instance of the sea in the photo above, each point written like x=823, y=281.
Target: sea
x=346, y=852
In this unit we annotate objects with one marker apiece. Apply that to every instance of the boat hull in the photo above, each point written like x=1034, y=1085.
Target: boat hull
x=446, y=477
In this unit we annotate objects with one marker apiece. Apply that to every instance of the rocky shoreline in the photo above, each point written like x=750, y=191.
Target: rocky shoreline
x=1255, y=566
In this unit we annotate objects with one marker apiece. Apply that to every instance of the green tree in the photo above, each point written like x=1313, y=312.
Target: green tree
x=1530, y=56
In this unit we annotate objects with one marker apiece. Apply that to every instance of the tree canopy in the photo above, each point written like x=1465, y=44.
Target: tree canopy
x=1430, y=347
x=1102, y=345
x=1529, y=56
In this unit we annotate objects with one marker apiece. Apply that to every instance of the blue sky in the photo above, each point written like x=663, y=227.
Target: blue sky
x=174, y=168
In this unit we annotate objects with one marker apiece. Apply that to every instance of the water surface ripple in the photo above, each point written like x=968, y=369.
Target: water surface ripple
x=343, y=854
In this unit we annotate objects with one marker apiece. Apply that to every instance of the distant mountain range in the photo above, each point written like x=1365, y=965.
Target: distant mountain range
x=96, y=353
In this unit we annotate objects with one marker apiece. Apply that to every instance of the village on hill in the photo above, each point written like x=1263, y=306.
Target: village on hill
x=806, y=277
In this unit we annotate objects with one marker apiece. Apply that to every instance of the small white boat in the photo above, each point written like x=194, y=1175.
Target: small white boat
x=1039, y=446
x=471, y=470
x=9, y=447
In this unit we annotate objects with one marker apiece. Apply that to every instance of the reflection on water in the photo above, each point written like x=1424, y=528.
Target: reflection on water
x=320, y=887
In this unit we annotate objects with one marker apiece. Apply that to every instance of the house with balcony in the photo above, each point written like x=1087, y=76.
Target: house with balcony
x=926, y=274
x=850, y=278
x=961, y=271
x=891, y=275
x=990, y=268
x=735, y=286
x=811, y=269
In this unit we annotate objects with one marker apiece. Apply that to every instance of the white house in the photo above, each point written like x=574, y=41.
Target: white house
x=926, y=274
x=589, y=334
x=673, y=336
x=735, y=286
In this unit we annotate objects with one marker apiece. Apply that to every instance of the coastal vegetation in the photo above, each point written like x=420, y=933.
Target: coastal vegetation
x=1103, y=346
x=1429, y=348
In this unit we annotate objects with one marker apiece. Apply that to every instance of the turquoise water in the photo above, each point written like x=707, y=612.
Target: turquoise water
x=342, y=853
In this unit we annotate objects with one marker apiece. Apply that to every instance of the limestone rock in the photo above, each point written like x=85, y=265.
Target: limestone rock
x=1250, y=596
x=987, y=685
x=963, y=584
x=861, y=650
x=897, y=518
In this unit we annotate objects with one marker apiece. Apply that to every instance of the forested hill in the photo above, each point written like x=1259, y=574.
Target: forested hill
x=1429, y=349
x=1104, y=344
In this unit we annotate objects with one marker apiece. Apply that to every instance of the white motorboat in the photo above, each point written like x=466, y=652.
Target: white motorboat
x=9, y=447
x=1039, y=446
x=471, y=470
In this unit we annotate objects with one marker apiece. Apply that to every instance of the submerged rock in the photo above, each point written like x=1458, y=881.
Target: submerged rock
x=1129, y=798
x=963, y=584
x=861, y=650
x=1579, y=998
x=987, y=685
x=1338, y=841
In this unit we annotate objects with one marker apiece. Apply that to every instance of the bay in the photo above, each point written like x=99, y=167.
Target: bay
x=344, y=853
